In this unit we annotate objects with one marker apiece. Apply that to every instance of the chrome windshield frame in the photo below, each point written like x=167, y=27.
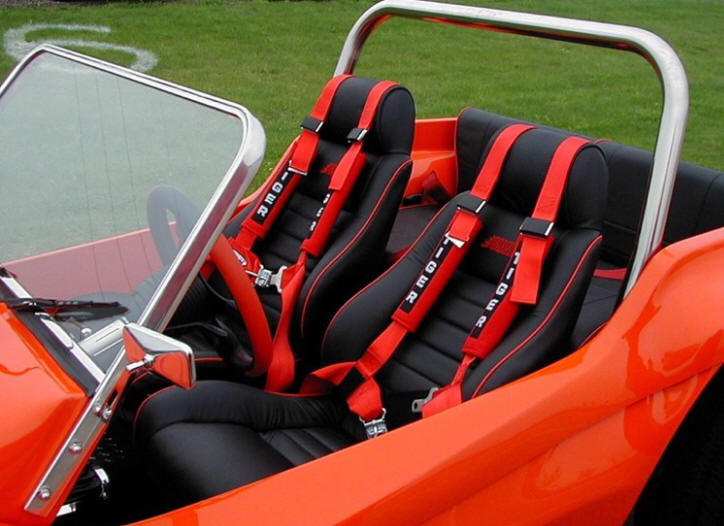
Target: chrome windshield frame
x=655, y=50
x=178, y=278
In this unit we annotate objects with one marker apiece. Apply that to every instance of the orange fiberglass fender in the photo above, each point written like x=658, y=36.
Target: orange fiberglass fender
x=575, y=440
x=40, y=406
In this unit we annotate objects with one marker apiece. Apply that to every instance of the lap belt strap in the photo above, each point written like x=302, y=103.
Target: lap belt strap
x=356, y=379
x=532, y=246
x=281, y=368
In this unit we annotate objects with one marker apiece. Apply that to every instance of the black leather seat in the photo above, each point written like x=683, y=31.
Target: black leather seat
x=695, y=208
x=220, y=435
x=355, y=252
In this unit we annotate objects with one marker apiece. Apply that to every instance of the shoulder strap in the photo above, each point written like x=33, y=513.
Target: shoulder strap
x=536, y=230
x=281, y=185
x=500, y=311
x=280, y=373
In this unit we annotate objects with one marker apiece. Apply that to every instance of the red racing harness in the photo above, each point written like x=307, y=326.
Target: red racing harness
x=519, y=285
x=274, y=355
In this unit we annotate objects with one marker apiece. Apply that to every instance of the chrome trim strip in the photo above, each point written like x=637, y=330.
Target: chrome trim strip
x=177, y=279
x=651, y=47
x=68, y=460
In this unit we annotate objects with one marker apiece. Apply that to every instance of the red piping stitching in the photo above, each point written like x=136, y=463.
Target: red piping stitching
x=418, y=205
x=143, y=404
x=455, y=151
x=344, y=250
x=404, y=254
x=542, y=323
x=138, y=377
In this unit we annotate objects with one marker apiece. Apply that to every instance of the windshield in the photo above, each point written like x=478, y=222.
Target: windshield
x=103, y=178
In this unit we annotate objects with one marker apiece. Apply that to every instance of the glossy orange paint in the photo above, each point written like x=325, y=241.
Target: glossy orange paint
x=433, y=152
x=40, y=405
x=573, y=442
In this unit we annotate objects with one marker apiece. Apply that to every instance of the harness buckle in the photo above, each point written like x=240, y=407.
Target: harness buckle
x=376, y=426
x=266, y=278
x=536, y=227
x=356, y=135
x=418, y=403
x=311, y=124
x=471, y=203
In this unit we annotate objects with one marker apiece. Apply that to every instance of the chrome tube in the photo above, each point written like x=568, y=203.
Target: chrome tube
x=651, y=47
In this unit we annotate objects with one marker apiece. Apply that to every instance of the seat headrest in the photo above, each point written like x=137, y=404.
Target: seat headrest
x=393, y=127
x=524, y=171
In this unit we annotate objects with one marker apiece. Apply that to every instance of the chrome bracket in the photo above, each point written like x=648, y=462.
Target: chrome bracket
x=420, y=402
x=376, y=426
x=266, y=278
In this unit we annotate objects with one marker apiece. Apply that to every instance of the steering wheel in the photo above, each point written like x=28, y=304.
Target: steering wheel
x=163, y=199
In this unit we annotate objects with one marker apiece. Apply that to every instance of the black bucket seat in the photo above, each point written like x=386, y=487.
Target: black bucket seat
x=221, y=435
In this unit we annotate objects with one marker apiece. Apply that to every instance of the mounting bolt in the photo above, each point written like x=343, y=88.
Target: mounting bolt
x=44, y=493
x=75, y=447
x=106, y=413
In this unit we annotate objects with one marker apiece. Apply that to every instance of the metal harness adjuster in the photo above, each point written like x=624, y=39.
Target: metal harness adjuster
x=376, y=426
x=267, y=278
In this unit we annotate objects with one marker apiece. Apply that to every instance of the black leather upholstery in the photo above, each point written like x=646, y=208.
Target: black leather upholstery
x=355, y=252
x=696, y=207
x=190, y=437
x=223, y=434
x=430, y=356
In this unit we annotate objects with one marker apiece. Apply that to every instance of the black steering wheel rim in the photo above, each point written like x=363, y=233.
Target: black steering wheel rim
x=163, y=199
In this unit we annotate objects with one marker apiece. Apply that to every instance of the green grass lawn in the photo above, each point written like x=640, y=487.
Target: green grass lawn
x=274, y=57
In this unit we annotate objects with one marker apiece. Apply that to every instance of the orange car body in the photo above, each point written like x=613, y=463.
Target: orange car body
x=574, y=442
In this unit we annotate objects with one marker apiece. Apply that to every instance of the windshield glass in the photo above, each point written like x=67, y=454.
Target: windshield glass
x=102, y=179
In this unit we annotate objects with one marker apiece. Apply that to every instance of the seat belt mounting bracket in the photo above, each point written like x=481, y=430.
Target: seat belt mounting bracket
x=471, y=203
x=356, y=134
x=376, y=426
x=312, y=124
x=267, y=278
x=536, y=227
x=420, y=402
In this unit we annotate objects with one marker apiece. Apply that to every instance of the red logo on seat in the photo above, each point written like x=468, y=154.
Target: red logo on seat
x=500, y=245
x=328, y=169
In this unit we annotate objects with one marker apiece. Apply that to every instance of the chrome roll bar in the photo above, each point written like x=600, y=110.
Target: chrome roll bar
x=657, y=52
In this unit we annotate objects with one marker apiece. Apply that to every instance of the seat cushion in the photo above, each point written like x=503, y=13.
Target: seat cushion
x=221, y=435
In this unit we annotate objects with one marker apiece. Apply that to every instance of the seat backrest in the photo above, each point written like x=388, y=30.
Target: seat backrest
x=356, y=248
x=696, y=204
x=430, y=356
